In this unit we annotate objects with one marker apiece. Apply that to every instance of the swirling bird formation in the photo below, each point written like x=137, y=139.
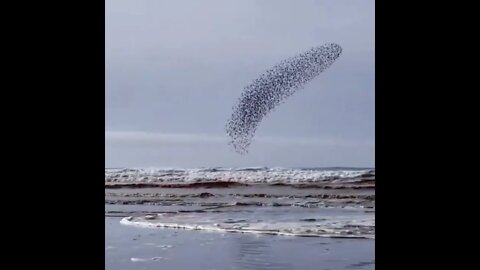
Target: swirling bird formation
x=272, y=88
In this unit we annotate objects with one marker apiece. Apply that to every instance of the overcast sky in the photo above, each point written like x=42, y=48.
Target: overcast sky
x=174, y=70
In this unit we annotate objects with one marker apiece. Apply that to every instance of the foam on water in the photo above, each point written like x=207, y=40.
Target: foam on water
x=133, y=259
x=241, y=175
x=139, y=259
x=358, y=225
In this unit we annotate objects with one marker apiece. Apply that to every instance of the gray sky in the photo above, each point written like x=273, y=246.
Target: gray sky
x=174, y=70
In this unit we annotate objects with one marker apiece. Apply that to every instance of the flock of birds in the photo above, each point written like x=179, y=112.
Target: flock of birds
x=272, y=88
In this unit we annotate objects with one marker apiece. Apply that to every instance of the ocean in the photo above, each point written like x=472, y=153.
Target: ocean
x=321, y=204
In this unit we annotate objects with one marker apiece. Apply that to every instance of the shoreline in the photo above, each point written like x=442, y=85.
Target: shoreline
x=129, y=247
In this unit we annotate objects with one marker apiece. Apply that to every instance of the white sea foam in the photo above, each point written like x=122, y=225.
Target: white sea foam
x=139, y=259
x=242, y=175
x=360, y=226
x=133, y=259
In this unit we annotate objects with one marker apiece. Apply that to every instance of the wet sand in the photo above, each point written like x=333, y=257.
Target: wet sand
x=249, y=219
x=128, y=247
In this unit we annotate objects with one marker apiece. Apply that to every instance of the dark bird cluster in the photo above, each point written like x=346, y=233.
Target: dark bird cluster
x=272, y=88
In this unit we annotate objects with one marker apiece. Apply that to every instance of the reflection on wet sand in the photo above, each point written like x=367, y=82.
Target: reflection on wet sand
x=257, y=254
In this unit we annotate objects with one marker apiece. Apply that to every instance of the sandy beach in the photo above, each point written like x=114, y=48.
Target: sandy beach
x=128, y=247
x=249, y=219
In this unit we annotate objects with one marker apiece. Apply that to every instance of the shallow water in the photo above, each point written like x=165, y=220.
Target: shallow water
x=129, y=247
x=292, y=221
x=248, y=218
